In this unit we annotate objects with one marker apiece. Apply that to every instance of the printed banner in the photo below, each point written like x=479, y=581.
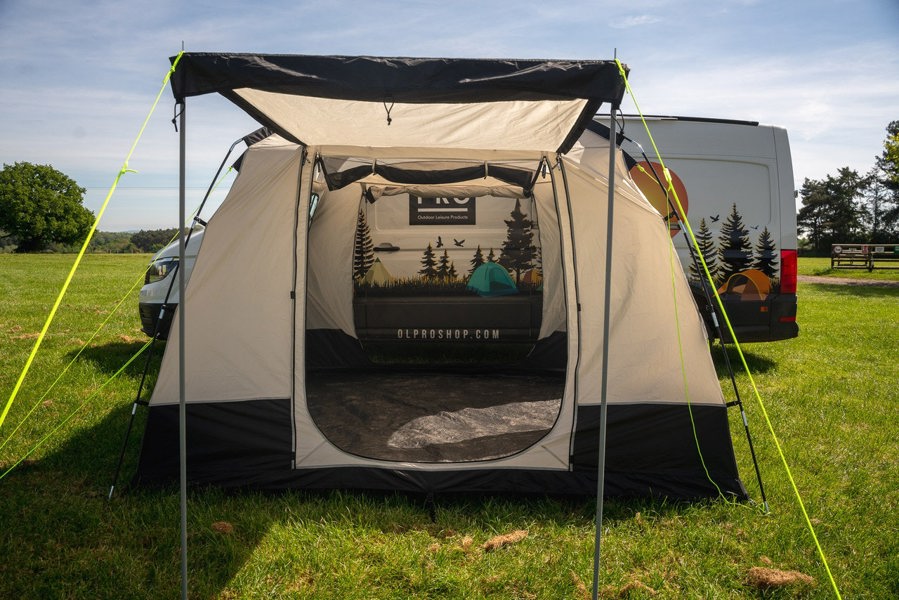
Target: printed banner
x=441, y=211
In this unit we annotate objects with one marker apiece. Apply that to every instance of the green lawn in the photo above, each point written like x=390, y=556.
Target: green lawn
x=831, y=395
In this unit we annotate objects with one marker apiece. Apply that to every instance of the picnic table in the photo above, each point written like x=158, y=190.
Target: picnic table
x=864, y=256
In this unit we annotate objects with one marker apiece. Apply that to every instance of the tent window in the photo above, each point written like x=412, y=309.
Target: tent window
x=313, y=204
x=341, y=172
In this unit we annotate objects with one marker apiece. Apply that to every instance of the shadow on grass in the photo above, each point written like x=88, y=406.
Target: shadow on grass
x=756, y=362
x=110, y=357
x=69, y=541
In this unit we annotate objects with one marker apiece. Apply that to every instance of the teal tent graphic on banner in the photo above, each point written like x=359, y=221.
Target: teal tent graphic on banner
x=490, y=279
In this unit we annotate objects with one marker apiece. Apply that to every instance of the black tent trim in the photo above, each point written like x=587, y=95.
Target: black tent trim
x=519, y=177
x=398, y=79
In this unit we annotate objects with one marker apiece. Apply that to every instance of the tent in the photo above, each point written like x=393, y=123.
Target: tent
x=271, y=295
x=532, y=276
x=750, y=284
x=377, y=274
x=490, y=279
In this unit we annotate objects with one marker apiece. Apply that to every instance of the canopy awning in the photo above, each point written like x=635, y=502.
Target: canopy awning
x=446, y=103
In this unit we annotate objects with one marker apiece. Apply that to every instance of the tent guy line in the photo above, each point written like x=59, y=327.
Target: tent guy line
x=698, y=253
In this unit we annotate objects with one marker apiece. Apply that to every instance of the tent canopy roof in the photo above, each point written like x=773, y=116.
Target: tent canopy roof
x=409, y=102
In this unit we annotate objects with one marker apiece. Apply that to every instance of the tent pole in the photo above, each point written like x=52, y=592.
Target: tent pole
x=182, y=301
x=604, y=406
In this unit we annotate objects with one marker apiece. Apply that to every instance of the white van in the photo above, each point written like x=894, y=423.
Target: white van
x=159, y=295
x=735, y=180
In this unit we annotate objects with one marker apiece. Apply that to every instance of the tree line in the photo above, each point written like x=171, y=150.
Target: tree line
x=853, y=208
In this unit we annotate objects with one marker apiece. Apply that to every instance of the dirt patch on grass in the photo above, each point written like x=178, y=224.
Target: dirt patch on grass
x=765, y=578
x=223, y=527
x=504, y=540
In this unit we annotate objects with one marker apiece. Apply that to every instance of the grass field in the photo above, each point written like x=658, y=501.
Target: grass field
x=831, y=395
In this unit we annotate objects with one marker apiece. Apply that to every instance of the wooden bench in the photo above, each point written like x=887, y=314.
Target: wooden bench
x=884, y=256
x=850, y=256
x=864, y=256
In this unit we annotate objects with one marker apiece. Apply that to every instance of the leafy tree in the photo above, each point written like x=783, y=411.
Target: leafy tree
x=41, y=206
x=363, y=248
x=734, y=247
x=428, y=264
x=8, y=242
x=889, y=159
x=812, y=219
x=518, y=250
x=830, y=211
x=883, y=193
x=881, y=209
x=766, y=254
x=477, y=261
x=707, y=246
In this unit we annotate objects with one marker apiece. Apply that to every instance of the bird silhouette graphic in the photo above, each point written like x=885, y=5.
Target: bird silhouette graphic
x=439, y=242
x=715, y=218
x=753, y=226
x=458, y=242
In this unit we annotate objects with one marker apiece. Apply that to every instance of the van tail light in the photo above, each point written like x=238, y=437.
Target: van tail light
x=789, y=269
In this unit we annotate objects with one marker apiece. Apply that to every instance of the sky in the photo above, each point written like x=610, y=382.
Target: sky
x=78, y=78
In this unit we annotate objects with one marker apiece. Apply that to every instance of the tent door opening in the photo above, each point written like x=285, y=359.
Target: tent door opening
x=441, y=356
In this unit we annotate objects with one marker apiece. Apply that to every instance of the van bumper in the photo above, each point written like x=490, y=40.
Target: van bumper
x=767, y=321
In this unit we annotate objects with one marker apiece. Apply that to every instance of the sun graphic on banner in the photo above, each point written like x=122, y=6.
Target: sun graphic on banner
x=646, y=175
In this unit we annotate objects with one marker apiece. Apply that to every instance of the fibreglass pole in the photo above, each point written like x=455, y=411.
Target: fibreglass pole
x=603, y=410
x=182, y=301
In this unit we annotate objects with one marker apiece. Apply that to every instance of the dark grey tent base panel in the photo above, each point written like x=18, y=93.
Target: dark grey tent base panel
x=653, y=447
x=651, y=452
x=228, y=443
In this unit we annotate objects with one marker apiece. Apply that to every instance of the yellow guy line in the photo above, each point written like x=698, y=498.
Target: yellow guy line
x=733, y=336
x=68, y=366
x=90, y=234
x=74, y=412
x=683, y=363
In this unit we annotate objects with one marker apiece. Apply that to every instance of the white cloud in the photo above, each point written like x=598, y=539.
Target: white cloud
x=835, y=110
x=635, y=21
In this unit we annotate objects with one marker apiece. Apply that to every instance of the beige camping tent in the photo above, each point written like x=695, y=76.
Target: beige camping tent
x=260, y=411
